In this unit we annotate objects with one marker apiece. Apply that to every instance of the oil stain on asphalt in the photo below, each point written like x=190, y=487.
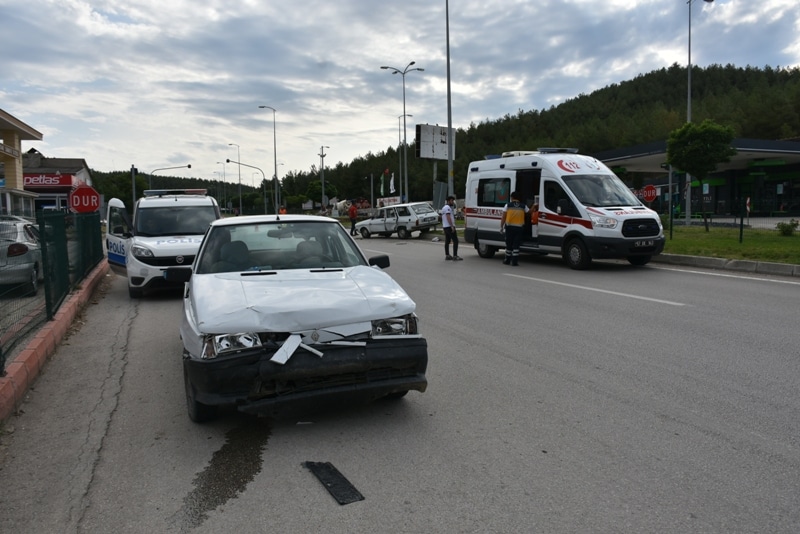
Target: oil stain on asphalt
x=231, y=468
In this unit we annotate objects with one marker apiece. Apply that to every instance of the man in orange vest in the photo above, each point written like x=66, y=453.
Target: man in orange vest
x=512, y=223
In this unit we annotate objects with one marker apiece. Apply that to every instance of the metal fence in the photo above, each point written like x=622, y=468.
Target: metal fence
x=71, y=246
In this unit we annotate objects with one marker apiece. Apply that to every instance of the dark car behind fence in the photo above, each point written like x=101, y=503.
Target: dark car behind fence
x=71, y=247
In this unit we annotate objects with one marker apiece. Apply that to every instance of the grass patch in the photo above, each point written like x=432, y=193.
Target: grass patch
x=760, y=245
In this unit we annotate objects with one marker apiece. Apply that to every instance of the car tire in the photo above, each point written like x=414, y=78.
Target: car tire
x=396, y=395
x=577, y=255
x=33, y=284
x=198, y=412
x=135, y=292
x=485, y=251
x=403, y=233
x=364, y=233
x=639, y=260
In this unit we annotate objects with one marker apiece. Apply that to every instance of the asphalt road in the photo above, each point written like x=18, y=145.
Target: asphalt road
x=619, y=399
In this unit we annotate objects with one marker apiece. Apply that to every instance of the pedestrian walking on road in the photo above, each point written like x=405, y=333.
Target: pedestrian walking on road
x=449, y=225
x=512, y=223
x=353, y=214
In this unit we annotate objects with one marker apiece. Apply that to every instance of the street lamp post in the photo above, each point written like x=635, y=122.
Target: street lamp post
x=264, y=178
x=150, y=178
x=322, y=155
x=239, y=156
x=399, y=142
x=689, y=108
x=224, y=193
x=405, y=143
x=275, y=154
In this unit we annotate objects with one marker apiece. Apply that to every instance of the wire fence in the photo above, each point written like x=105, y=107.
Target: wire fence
x=71, y=246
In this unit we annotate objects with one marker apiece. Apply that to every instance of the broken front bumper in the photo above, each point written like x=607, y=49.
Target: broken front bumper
x=257, y=385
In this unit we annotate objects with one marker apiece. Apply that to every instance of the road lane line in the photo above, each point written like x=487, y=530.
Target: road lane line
x=616, y=293
x=726, y=275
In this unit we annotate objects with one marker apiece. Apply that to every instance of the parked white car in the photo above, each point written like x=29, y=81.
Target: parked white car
x=20, y=254
x=401, y=219
x=285, y=311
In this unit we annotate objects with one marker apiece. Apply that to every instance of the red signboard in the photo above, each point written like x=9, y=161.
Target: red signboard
x=84, y=199
x=47, y=180
x=649, y=193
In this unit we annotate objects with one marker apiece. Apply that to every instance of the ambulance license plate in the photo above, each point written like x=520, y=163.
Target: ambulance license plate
x=645, y=243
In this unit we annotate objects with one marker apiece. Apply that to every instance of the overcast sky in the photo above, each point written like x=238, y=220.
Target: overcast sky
x=173, y=82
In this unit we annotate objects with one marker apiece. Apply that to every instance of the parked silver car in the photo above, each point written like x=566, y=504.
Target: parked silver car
x=401, y=219
x=20, y=254
x=285, y=311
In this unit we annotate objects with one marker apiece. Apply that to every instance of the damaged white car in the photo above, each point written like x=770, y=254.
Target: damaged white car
x=283, y=310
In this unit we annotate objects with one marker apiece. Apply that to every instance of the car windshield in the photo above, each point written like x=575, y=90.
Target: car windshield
x=600, y=190
x=185, y=220
x=422, y=209
x=277, y=245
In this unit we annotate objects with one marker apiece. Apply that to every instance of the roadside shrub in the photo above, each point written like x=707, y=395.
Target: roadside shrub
x=787, y=228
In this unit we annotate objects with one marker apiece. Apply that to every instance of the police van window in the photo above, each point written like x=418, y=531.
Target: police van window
x=553, y=192
x=493, y=192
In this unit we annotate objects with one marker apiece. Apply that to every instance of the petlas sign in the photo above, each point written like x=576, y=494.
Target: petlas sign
x=46, y=181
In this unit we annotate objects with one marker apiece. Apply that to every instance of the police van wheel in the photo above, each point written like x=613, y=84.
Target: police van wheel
x=639, y=260
x=485, y=251
x=135, y=292
x=365, y=233
x=403, y=233
x=576, y=255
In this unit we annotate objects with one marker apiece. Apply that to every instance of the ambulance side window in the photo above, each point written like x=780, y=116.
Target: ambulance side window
x=493, y=192
x=553, y=192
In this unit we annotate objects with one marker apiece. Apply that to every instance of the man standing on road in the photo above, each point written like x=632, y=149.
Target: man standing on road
x=450, y=234
x=513, y=224
x=353, y=214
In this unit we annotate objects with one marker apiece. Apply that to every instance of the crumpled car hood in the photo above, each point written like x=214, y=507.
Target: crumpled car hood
x=294, y=300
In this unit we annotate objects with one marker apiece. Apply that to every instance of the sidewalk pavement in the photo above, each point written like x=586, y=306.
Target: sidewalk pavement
x=22, y=370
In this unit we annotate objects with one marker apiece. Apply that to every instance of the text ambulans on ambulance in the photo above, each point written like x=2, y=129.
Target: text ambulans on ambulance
x=167, y=228
x=585, y=211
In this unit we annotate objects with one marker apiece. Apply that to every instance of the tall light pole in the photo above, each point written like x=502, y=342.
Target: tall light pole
x=322, y=155
x=405, y=143
x=275, y=154
x=239, y=156
x=399, y=142
x=150, y=178
x=689, y=109
x=224, y=194
x=450, y=186
x=262, y=175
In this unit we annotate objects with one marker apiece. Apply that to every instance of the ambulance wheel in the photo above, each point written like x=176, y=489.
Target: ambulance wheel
x=576, y=255
x=403, y=233
x=365, y=233
x=485, y=251
x=639, y=260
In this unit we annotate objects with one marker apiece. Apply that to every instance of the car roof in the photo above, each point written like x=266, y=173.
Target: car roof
x=256, y=219
x=408, y=204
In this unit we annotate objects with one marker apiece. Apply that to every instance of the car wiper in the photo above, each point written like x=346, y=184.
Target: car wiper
x=257, y=273
x=328, y=270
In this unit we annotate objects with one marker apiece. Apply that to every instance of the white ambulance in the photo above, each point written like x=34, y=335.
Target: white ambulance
x=167, y=228
x=585, y=211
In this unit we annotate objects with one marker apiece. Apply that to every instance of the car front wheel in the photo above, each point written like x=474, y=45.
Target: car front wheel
x=403, y=233
x=485, y=251
x=198, y=412
x=365, y=233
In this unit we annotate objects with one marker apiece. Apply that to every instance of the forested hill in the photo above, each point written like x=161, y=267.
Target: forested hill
x=761, y=103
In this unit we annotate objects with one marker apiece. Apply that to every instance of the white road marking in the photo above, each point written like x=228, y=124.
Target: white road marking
x=726, y=275
x=616, y=293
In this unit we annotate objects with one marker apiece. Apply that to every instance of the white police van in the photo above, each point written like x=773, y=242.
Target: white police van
x=585, y=211
x=167, y=228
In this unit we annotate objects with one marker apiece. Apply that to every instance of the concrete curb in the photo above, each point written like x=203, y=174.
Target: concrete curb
x=748, y=266
x=23, y=369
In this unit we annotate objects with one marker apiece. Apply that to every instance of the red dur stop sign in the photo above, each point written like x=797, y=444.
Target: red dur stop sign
x=84, y=199
x=649, y=193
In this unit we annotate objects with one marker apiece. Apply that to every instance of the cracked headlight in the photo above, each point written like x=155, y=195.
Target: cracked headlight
x=217, y=345
x=396, y=326
x=598, y=221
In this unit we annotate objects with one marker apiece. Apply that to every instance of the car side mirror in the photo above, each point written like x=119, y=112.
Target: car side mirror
x=381, y=261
